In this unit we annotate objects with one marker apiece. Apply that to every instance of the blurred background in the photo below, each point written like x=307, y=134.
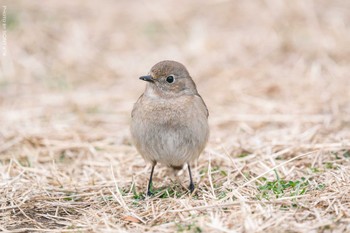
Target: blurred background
x=277, y=67
x=275, y=77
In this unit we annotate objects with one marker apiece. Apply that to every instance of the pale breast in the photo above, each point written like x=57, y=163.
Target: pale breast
x=170, y=132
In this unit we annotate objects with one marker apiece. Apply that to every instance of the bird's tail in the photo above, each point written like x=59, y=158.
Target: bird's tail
x=176, y=167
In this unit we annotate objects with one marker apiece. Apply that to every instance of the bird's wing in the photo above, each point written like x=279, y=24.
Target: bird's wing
x=201, y=99
x=134, y=108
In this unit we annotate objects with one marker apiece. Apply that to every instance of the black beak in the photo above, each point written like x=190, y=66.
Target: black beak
x=147, y=78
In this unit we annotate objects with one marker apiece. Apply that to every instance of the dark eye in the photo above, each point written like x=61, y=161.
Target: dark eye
x=170, y=79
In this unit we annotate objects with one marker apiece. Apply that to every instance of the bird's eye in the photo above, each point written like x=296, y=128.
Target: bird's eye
x=170, y=79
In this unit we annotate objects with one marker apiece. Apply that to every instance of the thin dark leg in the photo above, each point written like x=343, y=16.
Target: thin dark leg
x=191, y=187
x=149, y=193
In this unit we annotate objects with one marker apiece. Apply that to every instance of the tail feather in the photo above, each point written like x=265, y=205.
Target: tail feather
x=176, y=167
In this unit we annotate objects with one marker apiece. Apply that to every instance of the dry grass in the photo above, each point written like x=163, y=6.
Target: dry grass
x=275, y=76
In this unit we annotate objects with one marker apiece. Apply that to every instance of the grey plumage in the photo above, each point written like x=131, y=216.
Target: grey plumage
x=170, y=120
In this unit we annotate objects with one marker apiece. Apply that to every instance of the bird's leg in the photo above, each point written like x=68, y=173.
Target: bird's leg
x=191, y=187
x=149, y=193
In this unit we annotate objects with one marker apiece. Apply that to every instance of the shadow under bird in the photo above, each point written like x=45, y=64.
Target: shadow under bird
x=169, y=122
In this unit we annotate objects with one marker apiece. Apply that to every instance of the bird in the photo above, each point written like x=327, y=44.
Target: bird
x=169, y=121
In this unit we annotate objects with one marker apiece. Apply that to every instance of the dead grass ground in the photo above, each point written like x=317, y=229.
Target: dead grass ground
x=275, y=76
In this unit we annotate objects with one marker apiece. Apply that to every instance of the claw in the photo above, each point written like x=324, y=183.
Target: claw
x=191, y=187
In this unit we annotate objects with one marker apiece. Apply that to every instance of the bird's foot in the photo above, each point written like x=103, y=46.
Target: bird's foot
x=191, y=187
x=149, y=193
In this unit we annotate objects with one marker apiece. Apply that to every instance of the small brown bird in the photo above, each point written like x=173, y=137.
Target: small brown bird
x=169, y=121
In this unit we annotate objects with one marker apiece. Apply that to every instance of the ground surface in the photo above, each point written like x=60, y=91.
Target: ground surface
x=275, y=77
